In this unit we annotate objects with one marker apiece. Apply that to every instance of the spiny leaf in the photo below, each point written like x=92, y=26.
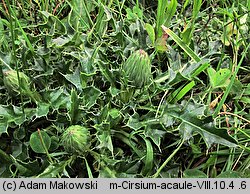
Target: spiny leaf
x=155, y=135
x=190, y=123
x=55, y=170
x=42, y=109
x=91, y=94
x=75, y=79
x=10, y=115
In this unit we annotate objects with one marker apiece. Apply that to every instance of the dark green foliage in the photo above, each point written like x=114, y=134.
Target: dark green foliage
x=124, y=89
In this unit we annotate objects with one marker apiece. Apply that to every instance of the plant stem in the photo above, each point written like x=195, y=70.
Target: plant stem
x=229, y=113
x=44, y=147
x=168, y=159
x=14, y=52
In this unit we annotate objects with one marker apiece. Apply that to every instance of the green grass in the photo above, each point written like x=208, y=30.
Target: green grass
x=189, y=119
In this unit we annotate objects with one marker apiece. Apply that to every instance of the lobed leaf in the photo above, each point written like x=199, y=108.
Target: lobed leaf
x=190, y=123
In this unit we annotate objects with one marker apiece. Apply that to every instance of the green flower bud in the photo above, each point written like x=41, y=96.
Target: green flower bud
x=137, y=68
x=12, y=84
x=76, y=139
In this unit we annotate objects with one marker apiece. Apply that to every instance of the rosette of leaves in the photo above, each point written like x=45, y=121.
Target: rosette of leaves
x=16, y=83
x=76, y=139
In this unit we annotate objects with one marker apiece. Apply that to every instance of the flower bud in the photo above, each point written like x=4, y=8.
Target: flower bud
x=137, y=68
x=12, y=84
x=76, y=139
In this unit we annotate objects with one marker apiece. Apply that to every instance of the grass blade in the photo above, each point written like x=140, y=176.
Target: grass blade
x=196, y=8
x=162, y=5
x=165, y=11
x=185, y=47
x=149, y=160
x=171, y=9
x=201, y=68
x=21, y=29
x=185, y=90
x=88, y=169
